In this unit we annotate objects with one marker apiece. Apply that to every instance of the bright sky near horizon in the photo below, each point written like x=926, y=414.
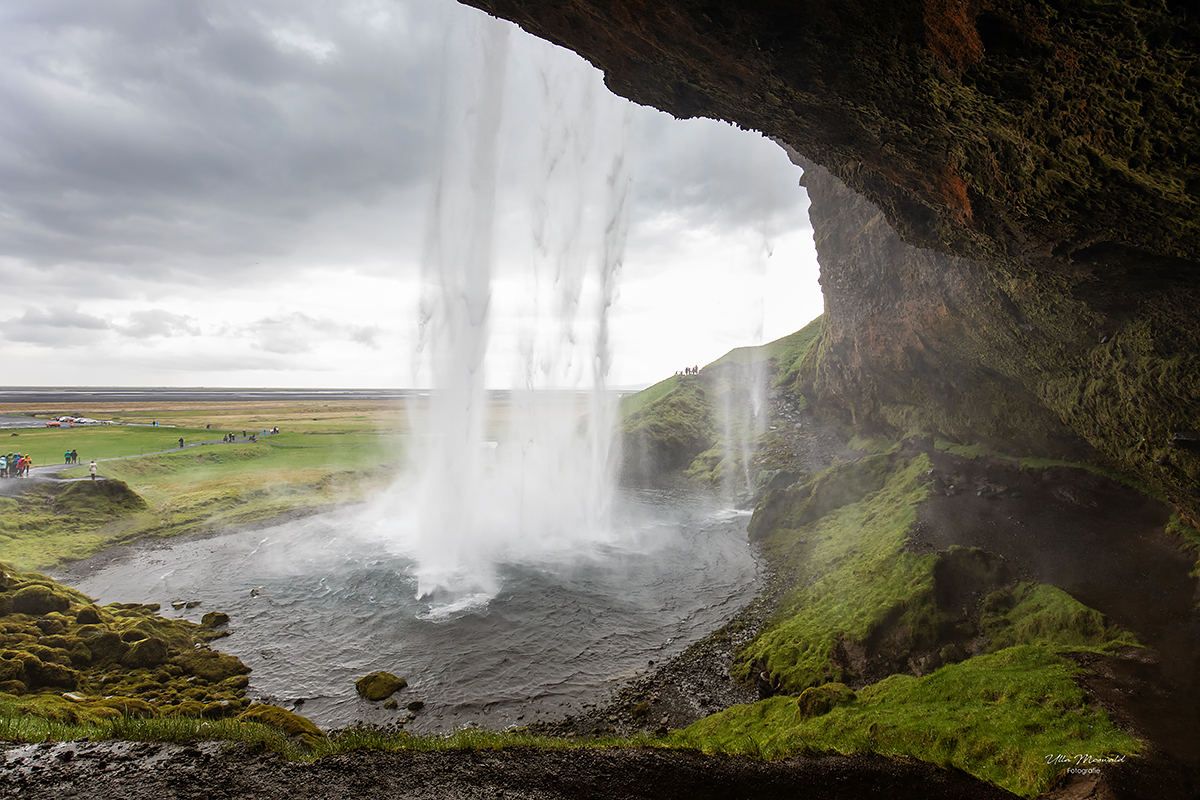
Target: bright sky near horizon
x=221, y=193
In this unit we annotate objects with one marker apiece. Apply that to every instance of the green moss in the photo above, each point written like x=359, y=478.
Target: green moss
x=210, y=665
x=667, y=432
x=284, y=720
x=379, y=685
x=839, y=540
x=817, y=700
x=1049, y=617
x=1188, y=537
x=998, y=717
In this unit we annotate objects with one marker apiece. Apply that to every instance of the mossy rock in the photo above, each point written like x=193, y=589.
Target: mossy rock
x=81, y=656
x=11, y=670
x=286, y=721
x=220, y=709
x=145, y=654
x=214, y=619
x=15, y=688
x=817, y=700
x=211, y=665
x=185, y=708
x=88, y=615
x=106, y=647
x=128, y=707
x=110, y=497
x=50, y=655
x=51, y=675
x=379, y=685
x=38, y=600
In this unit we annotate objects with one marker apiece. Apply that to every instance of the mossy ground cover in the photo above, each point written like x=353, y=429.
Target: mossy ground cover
x=709, y=424
x=66, y=660
x=839, y=540
x=999, y=717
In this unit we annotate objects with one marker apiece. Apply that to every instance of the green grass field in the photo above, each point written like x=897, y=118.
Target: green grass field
x=326, y=457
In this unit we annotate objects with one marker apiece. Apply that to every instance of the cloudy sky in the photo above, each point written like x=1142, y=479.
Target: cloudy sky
x=239, y=193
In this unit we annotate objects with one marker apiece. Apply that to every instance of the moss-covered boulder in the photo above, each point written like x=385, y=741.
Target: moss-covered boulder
x=105, y=646
x=128, y=707
x=145, y=653
x=211, y=665
x=379, y=685
x=38, y=600
x=214, y=619
x=817, y=700
x=286, y=721
x=88, y=615
x=41, y=674
x=11, y=669
x=184, y=708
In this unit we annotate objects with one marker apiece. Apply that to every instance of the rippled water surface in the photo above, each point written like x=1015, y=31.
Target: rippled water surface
x=318, y=603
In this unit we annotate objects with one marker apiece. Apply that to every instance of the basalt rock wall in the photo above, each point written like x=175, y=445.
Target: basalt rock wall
x=1048, y=153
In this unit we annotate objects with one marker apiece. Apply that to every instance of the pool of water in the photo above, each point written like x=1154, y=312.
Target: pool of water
x=317, y=603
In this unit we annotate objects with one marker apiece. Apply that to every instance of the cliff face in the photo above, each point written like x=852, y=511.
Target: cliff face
x=1003, y=353
x=1045, y=155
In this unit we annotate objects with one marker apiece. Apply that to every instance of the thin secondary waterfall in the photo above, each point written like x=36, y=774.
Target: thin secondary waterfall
x=539, y=480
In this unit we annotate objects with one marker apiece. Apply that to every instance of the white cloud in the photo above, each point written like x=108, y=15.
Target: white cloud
x=236, y=193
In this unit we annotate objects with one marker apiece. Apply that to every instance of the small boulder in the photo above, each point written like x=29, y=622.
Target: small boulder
x=106, y=646
x=88, y=615
x=817, y=700
x=128, y=707
x=210, y=665
x=379, y=685
x=145, y=653
x=214, y=619
x=38, y=600
x=290, y=723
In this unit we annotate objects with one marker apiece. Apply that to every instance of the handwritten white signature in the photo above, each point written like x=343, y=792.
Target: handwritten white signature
x=1083, y=759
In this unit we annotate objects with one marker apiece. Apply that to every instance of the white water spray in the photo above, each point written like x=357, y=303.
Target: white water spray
x=533, y=478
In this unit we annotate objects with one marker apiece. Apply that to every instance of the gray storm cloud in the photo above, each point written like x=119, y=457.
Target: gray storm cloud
x=181, y=181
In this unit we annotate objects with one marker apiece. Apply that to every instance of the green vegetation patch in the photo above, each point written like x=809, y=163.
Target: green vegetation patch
x=1047, y=616
x=1000, y=717
x=1188, y=537
x=839, y=540
x=668, y=431
x=66, y=661
x=186, y=491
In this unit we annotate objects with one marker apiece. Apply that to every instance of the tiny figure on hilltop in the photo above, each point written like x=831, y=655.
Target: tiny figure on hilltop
x=92, y=469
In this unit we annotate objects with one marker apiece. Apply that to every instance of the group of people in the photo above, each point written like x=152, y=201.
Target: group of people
x=689, y=371
x=232, y=436
x=71, y=457
x=15, y=465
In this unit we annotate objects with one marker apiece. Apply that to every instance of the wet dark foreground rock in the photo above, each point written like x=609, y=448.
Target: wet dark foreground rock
x=209, y=771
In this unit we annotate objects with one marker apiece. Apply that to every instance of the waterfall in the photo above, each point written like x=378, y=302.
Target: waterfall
x=535, y=477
